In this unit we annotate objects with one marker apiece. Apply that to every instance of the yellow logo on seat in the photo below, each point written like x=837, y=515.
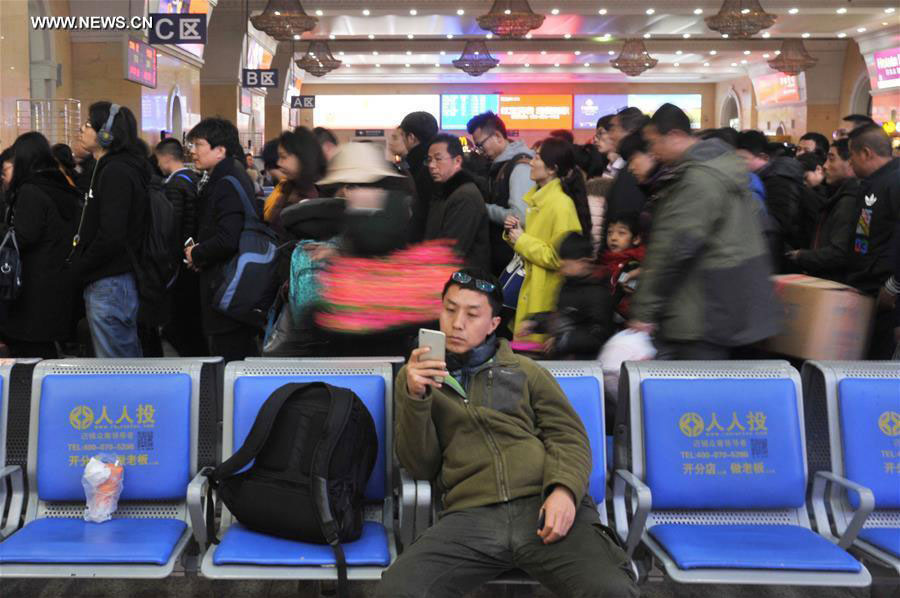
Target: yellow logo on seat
x=889, y=423
x=691, y=424
x=81, y=417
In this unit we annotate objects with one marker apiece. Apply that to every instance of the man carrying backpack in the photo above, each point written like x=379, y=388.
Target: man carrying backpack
x=509, y=179
x=217, y=150
x=184, y=330
x=511, y=457
x=112, y=229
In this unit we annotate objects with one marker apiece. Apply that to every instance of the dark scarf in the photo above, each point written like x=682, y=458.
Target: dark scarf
x=461, y=365
x=455, y=182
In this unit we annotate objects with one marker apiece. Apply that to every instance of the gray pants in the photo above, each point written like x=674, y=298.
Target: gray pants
x=466, y=548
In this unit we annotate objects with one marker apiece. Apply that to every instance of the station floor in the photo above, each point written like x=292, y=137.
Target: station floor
x=204, y=588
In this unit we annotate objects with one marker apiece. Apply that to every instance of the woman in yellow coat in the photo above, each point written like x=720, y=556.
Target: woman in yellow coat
x=556, y=206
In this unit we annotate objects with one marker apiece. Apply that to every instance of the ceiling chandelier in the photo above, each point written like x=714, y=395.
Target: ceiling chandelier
x=476, y=59
x=282, y=19
x=794, y=59
x=318, y=60
x=740, y=19
x=634, y=58
x=510, y=18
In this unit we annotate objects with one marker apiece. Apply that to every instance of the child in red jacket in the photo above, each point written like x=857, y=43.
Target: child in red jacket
x=621, y=262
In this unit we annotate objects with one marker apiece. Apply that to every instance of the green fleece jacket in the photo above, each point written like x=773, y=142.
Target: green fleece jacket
x=514, y=434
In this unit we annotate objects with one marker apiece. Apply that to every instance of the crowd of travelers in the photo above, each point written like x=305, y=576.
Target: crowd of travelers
x=654, y=226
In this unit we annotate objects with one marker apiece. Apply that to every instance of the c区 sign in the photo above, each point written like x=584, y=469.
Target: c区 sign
x=303, y=101
x=259, y=78
x=177, y=28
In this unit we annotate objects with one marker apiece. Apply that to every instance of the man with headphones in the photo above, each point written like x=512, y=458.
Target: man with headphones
x=111, y=228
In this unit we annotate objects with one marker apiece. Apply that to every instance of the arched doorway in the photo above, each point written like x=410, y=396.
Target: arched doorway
x=861, y=100
x=731, y=113
x=177, y=126
x=780, y=130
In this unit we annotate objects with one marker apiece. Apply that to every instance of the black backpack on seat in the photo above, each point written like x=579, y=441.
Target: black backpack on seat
x=314, y=447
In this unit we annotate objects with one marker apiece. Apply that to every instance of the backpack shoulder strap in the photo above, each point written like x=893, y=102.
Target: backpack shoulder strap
x=249, y=212
x=259, y=433
x=338, y=415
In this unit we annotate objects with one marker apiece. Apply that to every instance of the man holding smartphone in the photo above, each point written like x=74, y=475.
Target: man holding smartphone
x=511, y=458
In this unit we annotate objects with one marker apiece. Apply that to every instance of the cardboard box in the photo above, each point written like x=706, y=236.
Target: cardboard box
x=822, y=319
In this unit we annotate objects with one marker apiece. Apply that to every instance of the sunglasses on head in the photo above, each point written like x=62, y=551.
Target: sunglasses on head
x=481, y=285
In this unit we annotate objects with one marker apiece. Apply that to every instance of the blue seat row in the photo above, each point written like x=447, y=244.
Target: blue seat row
x=717, y=480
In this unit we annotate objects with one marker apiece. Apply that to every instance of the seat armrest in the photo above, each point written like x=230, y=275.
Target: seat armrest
x=197, y=505
x=630, y=533
x=424, y=506
x=407, y=506
x=866, y=506
x=17, y=498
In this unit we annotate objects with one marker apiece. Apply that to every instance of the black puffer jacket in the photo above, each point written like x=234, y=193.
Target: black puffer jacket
x=783, y=180
x=832, y=238
x=46, y=210
x=878, y=218
x=583, y=320
x=181, y=189
x=114, y=218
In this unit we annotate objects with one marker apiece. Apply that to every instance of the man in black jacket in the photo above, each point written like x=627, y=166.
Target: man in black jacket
x=783, y=180
x=217, y=150
x=626, y=196
x=418, y=129
x=832, y=238
x=457, y=211
x=878, y=205
x=184, y=330
x=112, y=228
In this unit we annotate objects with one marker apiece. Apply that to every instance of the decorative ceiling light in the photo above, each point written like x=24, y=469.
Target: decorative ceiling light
x=793, y=58
x=282, y=19
x=634, y=58
x=318, y=60
x=476, y=59
x=740, y=19
x=510, y=18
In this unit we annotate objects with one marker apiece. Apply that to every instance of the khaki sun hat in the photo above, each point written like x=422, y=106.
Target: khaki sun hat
x=357, y=163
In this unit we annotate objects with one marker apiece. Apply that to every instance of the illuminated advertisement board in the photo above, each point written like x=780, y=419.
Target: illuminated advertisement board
x=777, y=88
x=690, y=103
x=589, y=108
x=371, y=111
x=887, y=69
x=533, y=112
x=458, y=109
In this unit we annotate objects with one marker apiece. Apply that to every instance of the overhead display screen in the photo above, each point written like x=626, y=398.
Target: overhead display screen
x=140, y=63
x=371, y=111
x=689, y=102
x=531, y=112
x=777, y=88
x=458, y=109
x=589, y=108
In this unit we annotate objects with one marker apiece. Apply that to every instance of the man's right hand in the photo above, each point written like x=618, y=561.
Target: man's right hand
x=421, y=374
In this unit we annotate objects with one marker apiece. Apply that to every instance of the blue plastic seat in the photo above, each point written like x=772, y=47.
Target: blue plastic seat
x=143, y=413
x=242, y=546
x=862, y=402
x=718, y=452
x=246, y=554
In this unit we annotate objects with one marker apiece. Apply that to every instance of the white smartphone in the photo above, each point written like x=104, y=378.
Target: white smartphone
x=436, y=341
x=188, y=243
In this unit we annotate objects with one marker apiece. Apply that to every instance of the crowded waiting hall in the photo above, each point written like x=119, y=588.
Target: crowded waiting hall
x=420, y=299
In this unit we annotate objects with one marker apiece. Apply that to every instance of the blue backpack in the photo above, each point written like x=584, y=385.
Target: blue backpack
x=249, y=281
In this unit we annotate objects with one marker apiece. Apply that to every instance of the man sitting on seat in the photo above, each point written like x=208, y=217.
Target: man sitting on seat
x=511, y=457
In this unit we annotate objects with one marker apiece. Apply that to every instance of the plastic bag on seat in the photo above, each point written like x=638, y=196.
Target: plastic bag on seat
x=102, y=481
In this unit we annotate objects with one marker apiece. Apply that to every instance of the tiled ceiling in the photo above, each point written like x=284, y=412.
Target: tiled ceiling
x=414, y=41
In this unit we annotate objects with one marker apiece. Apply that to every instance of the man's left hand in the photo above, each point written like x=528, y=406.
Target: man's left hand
x=559, y=514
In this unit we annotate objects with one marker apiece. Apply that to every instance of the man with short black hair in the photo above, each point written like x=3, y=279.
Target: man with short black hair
x=705, y=285
x=217, y=150
x=498, y=434
x=418, y=129
x=509, y=179
x=850, y=123
x=829, y=253
x=626, y=196
x=872, y=267
x=457, y=210
x=812, y=142
x=782, y=178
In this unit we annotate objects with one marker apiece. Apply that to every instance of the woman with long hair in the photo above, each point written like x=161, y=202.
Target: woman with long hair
x=557, y=206
x=44, y=211
x=301, y=160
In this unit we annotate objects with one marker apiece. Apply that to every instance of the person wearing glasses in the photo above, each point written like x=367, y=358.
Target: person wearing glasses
x=508, y=180
x=511, y=457
x=457, y=211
